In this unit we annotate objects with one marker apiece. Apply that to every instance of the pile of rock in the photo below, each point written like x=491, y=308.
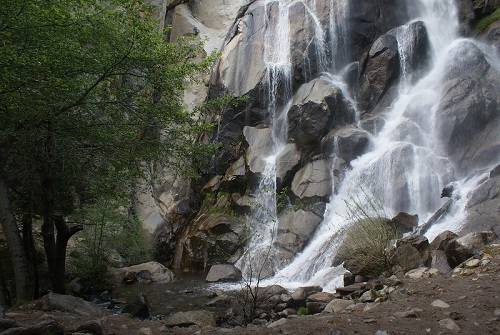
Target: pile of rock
x=411, y=257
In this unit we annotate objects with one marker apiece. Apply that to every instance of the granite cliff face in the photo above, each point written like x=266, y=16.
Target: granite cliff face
x=341, y=96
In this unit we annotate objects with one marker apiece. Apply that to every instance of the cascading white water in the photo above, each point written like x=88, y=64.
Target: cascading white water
x=259, y=259
x=256, y=261
x=404, y=169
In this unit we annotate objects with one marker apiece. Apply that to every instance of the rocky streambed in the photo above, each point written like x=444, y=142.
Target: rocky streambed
x=421, y=301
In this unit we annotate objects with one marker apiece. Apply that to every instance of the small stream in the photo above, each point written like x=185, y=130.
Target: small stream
x=189, y=292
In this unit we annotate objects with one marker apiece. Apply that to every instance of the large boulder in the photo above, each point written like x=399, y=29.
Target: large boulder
x=286, y=161
x=469, y=107
x=381, y=71
x=472, y=244
x=186, y=319
x=295, y=228
x=223, y=273
x=347, y=143
x=313, y=180
x=308, y=54
x=234, y=179
x=317, y=107
x=157, y=273
x=401, y=52
x=138, y=308
x=366, y=24
x=69, y=303
x=482, y=207
x=259, y=147
x=211, y=239
x=409, y=253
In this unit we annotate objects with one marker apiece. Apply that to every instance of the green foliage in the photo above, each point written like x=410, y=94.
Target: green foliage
x=90, y=89
x=366, y=239
x=111, y=232
x=302, y=311
x=487, y=21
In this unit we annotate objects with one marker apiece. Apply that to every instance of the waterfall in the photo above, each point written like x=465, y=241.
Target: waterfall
x=257, y=261
x=404, y=169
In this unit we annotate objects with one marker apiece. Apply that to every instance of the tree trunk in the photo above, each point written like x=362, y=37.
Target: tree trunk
x=64, y=233
x=29, y=248
x=15, y=243
x=47, y=180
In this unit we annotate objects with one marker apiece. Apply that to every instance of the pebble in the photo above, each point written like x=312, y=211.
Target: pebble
x=473, y=263
x=412, y=313
x=449, y=324
x=145, y=331
x=440, y=304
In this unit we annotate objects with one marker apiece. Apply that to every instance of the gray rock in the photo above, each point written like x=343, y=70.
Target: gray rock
x=367, y=12
x=277, y=323
x=287, y=160
x=472, y=244
x=138, y=308
x=449, y=324
x=405, y=221
x=223, y=273
x=482, y=207
x=440, y=261
x=305, y=57
x=381, y=71
x=301, y=293
x=338, y=305
x=260, y=142
x=324, y=297
x=69, y=303
x=318, y=106
x=295, y=228
x=273, y=290
x=440, y=304
x=468, y=107
x=314, y=179
x=410, y=313
x=347, y=143
x=185, y=319
x=210, y=239
x=242, y=66
x=235, y=172
x=409, y=253
x=159, y=273
x=75, y=287
x=442, y=240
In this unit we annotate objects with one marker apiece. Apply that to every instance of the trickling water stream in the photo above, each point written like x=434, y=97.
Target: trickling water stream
x=264, y=218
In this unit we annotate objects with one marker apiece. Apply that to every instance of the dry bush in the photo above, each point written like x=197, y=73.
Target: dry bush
x=366, y=239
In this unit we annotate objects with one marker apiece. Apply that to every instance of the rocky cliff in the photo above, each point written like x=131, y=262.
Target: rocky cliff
x=326, y=85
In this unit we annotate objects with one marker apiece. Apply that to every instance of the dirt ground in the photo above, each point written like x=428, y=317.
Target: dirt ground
x=473, y=299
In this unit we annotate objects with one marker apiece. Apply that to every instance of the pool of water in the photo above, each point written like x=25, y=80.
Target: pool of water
x=189, y=292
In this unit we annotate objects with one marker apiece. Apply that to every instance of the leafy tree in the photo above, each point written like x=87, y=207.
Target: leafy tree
x=89, y=91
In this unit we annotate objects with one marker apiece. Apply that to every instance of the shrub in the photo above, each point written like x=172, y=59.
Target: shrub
x=364, y=248
x=108, y=229
x=302, y=311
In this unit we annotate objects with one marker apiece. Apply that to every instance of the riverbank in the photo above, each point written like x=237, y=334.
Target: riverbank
x=464, y=301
